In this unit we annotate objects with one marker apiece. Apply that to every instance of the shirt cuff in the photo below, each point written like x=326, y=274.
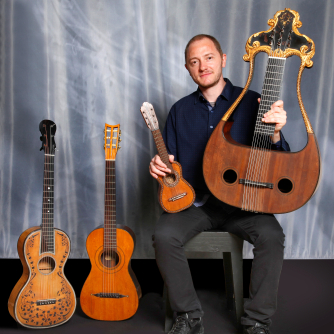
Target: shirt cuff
x=277, y=146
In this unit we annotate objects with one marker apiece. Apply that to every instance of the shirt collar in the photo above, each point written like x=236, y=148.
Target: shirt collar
x=226, y=93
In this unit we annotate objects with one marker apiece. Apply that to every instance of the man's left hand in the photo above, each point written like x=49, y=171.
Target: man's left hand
x=276, y=115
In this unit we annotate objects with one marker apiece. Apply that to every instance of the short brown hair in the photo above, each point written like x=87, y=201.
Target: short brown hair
x=198, y=38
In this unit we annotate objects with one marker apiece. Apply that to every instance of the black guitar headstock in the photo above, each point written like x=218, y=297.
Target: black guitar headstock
x=48, y=129
x=282, y=39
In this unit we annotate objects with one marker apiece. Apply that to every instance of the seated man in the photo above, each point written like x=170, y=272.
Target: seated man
x=189, y=125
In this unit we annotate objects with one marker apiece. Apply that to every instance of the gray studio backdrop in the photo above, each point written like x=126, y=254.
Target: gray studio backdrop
x=83, y=63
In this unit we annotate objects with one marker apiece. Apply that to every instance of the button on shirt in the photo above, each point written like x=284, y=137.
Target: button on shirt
x=192, y=120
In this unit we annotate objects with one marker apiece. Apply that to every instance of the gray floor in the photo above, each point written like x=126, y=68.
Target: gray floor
x=305, y=306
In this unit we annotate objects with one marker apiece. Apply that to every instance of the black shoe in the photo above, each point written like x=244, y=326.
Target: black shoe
x=256, y=329
x=184, y=325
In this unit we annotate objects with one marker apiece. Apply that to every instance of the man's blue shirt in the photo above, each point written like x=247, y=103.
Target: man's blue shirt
x=192, y=120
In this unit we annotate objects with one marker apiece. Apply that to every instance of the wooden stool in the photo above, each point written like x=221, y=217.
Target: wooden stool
x=215, y=244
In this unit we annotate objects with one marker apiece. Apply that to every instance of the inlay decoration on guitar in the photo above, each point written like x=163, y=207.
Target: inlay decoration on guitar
x=175, y=193
x=255, y=178
x=111, y=291
x=43, y=297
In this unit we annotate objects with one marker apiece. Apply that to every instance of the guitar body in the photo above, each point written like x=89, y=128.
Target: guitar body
x=110, y=279
x=43, y=297
x=175, y=193
x=294, y=176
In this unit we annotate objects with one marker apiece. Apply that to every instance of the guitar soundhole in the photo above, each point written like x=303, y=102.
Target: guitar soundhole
x=230, y=176
x=170, y=178
x=109, y=259
x=285, y=186
x=46, y=265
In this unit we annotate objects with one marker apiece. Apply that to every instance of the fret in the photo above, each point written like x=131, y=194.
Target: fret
x=269, y=93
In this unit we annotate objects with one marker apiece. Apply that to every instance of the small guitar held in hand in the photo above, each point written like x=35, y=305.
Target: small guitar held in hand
x=175, y=193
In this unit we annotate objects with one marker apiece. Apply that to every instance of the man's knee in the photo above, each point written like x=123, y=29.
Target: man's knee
x=165, y=238
x=269, y=231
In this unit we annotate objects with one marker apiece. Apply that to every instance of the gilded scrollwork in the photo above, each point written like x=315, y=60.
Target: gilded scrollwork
x=282, y=40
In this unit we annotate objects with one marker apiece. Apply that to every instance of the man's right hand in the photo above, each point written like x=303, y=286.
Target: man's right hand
x=157, y=167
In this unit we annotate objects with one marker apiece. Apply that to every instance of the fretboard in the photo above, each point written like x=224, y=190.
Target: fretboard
x=110, y=240
x=162, y=151
x=47, y=244
x=271, y=91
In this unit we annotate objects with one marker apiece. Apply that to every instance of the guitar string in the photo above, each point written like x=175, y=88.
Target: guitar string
x=248, y=187
x=267, y=131
x=260, y=144
x=251, y=190
x=104, y=227
x=280, y=66
x=113, y=226
x=263, y=141
x=162, y=151
x=247, y=190
x=161, y=147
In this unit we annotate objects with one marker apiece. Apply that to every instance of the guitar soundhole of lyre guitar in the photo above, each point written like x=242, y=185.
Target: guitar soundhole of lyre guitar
x=230, y=176
x=285, y=185
x=109, y=259
x=46, y=265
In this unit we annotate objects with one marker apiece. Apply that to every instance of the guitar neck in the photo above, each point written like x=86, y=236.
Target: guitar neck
x=271, y=91
x=47, y=244
x=161, y=147
x=110, y=240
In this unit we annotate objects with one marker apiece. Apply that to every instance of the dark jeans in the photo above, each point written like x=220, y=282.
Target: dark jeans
x=261, y=230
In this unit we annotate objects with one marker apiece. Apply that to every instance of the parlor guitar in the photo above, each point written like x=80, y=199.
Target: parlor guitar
x=256, y=178
x=43, y=297
x=175, y=193
x=111, y=291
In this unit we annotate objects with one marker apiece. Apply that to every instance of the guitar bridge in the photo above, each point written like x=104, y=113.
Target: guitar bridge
x=109, y=295
x=175, y=198
x=256, y=183
x=46, y=302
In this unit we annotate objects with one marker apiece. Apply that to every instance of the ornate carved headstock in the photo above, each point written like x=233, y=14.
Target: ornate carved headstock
x=48, y=130
x=112, y=134
x=282, y=39
x=148, y=113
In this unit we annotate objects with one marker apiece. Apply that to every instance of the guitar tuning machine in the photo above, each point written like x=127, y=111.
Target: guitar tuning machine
x=119, y=140
x=119, y=147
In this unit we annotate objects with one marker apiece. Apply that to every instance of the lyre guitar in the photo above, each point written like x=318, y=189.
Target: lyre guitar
x=175, y=193
x=111, y=291
x=43, y=297
x=256, y=178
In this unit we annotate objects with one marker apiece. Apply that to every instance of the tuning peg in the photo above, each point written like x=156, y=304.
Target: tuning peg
x=120, y=132
x=119, y=147
x=119, y=140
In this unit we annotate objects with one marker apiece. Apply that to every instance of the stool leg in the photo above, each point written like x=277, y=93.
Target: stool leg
x=228, y=281
x=168, y=311
x=234, y=282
